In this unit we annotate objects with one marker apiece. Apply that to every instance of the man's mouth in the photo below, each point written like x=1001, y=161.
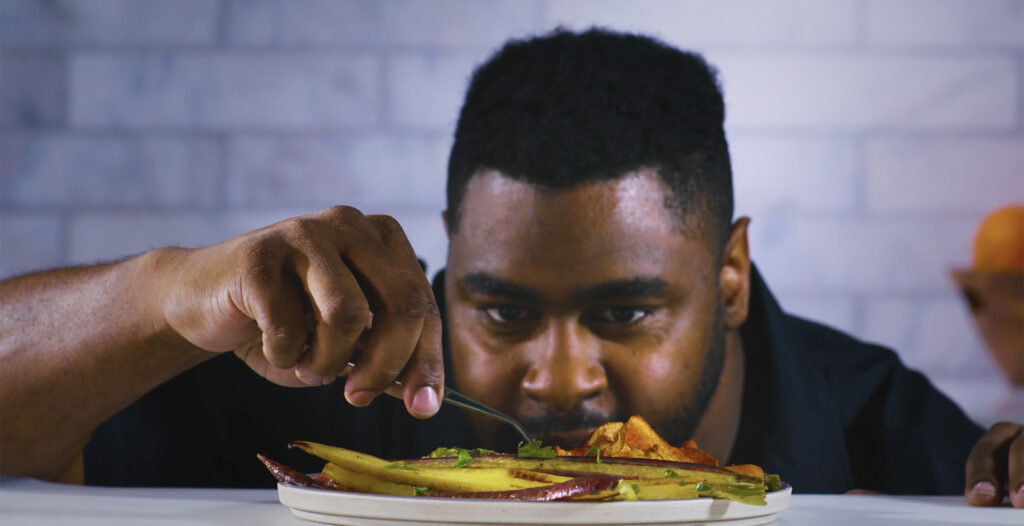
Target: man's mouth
x=566, y=439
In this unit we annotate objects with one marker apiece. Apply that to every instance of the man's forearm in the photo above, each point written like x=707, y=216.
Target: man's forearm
x=76, y=346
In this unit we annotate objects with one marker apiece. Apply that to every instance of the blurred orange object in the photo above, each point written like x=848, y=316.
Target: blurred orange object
x=994, y=288
x=999, y=242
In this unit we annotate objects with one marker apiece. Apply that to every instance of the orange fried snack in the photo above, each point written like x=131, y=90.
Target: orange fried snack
x=637, y=439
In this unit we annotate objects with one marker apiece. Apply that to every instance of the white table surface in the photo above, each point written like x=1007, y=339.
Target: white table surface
x=32, y=502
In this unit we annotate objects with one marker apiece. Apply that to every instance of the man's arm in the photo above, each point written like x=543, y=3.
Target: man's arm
x=78, y=345
x=293, y=300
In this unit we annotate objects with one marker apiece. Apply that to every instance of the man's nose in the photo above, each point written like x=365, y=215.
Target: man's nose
x=566, y=368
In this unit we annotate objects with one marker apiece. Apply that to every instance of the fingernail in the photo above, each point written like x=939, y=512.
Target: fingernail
x=984, y=488
x=309, y=378
x=359, y=398
x=425, y=402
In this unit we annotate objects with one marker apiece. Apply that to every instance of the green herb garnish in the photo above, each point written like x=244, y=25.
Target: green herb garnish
x=534, y=449
x=465, y=457
x=419, y=490
x=596, y=452
x=702, y=486
x=670, y=473
x=445, y=452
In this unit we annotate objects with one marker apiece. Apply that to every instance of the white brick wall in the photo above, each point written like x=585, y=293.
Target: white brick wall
x=868, y=136
x=722, y=23
x=223, y=90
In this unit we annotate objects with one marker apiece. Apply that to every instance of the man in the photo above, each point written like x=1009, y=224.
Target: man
x=594, y=272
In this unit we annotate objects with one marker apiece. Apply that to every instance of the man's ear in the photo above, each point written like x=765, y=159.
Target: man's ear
x=447, y=229
x=734, y=279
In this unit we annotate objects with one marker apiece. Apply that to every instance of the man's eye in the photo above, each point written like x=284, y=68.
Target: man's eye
x=623, y=315
x=506, y=313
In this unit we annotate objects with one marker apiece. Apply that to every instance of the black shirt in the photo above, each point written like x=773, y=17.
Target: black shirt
x=825, y=411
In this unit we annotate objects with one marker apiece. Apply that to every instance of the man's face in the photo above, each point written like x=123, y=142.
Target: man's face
x=570, y=308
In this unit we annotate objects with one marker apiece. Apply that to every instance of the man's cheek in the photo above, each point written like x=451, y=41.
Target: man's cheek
x=655, y=385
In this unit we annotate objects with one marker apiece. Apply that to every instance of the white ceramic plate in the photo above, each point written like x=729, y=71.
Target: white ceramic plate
x=342, y=507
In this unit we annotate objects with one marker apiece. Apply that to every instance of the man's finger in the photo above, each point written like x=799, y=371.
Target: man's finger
x=1016, y=471
x=386, y=264
x=273, y=298
x=987, y=464
x=341, y=314
x=423, y=378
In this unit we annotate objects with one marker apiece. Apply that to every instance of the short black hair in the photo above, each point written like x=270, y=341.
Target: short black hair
x=565, y=109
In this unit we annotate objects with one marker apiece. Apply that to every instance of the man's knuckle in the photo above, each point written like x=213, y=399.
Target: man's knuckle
x=383, y=376
x=343, y=214
x=1005, y=427
x=300, y=230
x=389, y=228
x=345, y=313
x=287, y=336
x=414, y=306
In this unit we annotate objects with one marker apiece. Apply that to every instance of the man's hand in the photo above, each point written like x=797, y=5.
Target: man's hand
x=995, y=467
x=295, y=299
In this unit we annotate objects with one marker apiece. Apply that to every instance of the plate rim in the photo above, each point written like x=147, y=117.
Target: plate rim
x=376, y=507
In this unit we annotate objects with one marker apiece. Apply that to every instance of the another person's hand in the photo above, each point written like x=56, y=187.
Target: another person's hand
x=294, y=299
x=995, y=467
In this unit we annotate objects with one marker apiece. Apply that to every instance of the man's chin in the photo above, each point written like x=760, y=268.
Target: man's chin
x=566, y=439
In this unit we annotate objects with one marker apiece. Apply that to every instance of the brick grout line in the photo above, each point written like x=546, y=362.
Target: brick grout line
x=265, y=131
x=1020, y=91
x=170, y=210
x=64, y=237
x=220, y=202
x=219, y=44
x=859, y=321
x=860, y=297
x=860, y=206
x=860, y=36
x=955, y=132
x=385, y=117
x=355, y=132
x=222, y=25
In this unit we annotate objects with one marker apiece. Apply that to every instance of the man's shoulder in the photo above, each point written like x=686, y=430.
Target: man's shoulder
x=832, y=344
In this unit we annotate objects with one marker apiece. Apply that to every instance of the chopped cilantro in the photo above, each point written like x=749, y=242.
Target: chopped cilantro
x=464, y=458
x=444, y=452
x=670, y=473
x=534, y=449
x=398, y=464
x=636, y=489
x=596, y=452
x=419, y=490
x=703, y=486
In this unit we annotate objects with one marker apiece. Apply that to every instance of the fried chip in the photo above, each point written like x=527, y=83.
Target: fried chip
x=637, y=439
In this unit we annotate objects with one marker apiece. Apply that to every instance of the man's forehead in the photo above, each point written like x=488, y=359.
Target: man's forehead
x=636, y=198
x=608, y=230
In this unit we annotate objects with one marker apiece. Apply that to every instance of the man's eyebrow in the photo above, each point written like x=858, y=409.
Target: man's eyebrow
x=489, y=285
x=640, y=287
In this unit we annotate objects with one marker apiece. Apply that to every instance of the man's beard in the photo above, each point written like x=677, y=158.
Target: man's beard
x=675, y=428
x=680, y=426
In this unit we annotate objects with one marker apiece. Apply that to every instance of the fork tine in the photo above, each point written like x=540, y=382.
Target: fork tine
x=458, y=399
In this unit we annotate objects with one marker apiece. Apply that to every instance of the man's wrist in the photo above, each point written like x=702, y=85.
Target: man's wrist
x=155, y=275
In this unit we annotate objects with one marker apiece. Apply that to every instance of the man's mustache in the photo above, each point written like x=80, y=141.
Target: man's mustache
x=579, y=418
